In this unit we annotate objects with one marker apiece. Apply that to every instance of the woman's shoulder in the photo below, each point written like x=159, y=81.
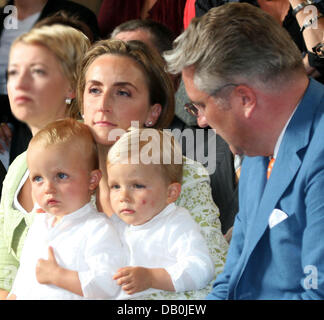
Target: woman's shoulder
x=194, y=172
x=19, y=164
x=195, y=188
x=15, y=173
x=14, y=176
x=11, y=217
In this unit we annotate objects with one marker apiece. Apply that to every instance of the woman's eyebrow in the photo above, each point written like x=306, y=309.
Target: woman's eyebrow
x=125, y=83
x=94, y=82
x=116, y=84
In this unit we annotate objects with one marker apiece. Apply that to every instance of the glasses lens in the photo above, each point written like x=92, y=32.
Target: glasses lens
x=190, y=108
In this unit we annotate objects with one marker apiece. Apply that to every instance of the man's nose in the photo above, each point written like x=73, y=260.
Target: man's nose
x=201, y=120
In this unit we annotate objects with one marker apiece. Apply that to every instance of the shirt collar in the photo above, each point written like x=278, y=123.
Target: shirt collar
x=169, y=208
x=69, y=218
x=277, y=146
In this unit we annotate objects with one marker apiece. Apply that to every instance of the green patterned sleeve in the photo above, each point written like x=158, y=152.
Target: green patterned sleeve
x=197, y=198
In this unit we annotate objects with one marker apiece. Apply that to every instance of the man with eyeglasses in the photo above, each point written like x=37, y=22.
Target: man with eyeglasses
x=246, y=79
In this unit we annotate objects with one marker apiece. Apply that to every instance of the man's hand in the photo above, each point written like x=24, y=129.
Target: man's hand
x=133, y=279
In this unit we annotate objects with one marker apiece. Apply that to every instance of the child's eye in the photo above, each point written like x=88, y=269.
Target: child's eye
x=62, y=175
x=139, y=186
x=114, y=186
x=37, y=179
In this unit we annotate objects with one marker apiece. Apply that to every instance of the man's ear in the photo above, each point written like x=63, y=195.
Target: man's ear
x=247, y=98
x=153, y=116
x=94, y=179
x=174, y=190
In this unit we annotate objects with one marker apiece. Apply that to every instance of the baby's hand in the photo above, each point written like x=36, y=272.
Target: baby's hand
x=45, y=269
x=133, y=279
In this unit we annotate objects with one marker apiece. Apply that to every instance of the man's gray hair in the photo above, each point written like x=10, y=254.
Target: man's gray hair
x=232, y=42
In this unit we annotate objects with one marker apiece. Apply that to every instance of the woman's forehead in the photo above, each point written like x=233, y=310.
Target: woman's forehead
x=115, y=68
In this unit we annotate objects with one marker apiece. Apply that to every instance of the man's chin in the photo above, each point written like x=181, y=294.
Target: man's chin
x=236, y=150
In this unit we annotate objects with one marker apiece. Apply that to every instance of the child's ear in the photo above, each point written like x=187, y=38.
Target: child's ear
x=174, y=190
x=95, y=176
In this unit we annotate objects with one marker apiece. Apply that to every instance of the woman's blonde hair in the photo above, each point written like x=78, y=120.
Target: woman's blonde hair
x=68, y=45
x=159, y=83
x=149, y=146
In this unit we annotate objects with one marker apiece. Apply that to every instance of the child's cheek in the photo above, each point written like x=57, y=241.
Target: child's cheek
x=152, y=204
x=39, y=196
x=148, y=203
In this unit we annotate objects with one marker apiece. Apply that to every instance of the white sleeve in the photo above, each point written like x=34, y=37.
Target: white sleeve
x=194, y=268
x=103, y=257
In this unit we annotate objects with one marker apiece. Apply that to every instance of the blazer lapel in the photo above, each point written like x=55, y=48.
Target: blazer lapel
x=257, y=178
x=286, y=166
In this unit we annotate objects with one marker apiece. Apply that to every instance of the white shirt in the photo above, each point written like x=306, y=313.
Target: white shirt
x=170, y=240
x=278, y=143
x=83, y=241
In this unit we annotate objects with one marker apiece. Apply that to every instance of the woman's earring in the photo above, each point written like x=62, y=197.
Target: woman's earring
x=68, y=100
x=149, y=123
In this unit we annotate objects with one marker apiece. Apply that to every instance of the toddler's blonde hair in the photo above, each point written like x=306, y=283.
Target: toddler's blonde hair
x=149, y=146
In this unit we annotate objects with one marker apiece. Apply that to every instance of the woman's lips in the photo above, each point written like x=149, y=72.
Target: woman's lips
x=103, y=123
x=22, y=99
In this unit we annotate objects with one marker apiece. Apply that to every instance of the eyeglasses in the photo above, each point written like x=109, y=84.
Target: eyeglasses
x=193, y=108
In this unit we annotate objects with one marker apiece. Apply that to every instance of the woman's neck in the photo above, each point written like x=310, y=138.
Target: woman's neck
x=102, y=155
x=38, y=124
x=103, y=201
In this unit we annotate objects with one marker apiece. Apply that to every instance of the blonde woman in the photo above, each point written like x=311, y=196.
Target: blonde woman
x=41, y=88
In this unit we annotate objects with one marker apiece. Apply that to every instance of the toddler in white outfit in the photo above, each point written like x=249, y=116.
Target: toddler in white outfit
x=71, y=250
x=166, y=250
